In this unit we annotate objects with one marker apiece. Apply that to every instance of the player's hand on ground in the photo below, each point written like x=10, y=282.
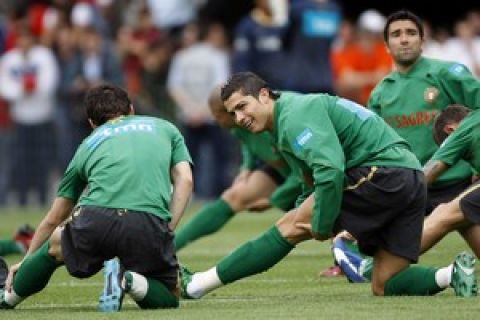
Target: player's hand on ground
x=260, y=205
x=344, y=235
x=11, y=275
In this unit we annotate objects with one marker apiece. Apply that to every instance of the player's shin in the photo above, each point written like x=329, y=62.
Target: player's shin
x=149, y=293
x=33, y=275
x=254, y=256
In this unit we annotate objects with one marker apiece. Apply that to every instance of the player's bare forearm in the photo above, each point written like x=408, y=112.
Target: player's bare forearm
x=433, y=169
x=182, y=189
x=59, y=212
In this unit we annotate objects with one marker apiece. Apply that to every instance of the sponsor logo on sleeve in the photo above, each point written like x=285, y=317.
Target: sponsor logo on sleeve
x=302, y=139
x=456, y=69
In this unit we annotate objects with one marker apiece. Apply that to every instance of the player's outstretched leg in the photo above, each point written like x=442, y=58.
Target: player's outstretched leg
x=32, y=277
x=251, y=258
x=208, y=220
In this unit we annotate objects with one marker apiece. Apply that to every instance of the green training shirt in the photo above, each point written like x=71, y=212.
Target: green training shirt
x=463, y=143
x=126, y=164
x=322, y=136
x=409, y=103
x=261, y=146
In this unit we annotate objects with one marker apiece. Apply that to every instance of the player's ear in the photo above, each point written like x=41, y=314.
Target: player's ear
x=263, y=95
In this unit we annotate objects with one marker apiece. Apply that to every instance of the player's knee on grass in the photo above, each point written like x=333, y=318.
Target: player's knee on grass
x=55, y=246
x=287, y=225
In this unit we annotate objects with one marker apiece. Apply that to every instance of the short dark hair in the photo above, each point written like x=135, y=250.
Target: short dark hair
x=105, y=102
x=402, y=15
x=248, y=83
x=454, y=113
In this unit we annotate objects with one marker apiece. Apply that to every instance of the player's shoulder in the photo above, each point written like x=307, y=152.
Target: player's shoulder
x=157, y=122
x=442, y=68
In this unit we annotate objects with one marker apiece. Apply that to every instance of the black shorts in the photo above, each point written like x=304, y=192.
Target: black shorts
x=470, y=203
x=143, y=242
x=272, y=173
x=384, y=208
x=446, y=193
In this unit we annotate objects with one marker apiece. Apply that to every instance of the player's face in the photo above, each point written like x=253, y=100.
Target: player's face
x=404, y=42
x=249, y=112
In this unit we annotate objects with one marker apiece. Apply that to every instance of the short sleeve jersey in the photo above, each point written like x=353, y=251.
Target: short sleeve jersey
x=260, y=146
x=322, y=136
x=125, y=163
x=463, y=143
x=409, y=103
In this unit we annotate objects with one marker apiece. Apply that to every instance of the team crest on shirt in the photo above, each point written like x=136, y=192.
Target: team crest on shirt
x=430, y=94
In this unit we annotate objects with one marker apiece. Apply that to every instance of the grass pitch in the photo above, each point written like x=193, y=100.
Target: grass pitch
x=290, y=290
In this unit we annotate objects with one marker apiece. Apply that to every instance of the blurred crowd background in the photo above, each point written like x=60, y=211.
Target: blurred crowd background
x=168, y=55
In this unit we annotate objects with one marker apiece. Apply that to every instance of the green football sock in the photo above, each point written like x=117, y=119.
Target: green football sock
x=254, y=256
x=9, y=246
x=413, y=281
x=152, y=296
x=208, y=220
x=35, y=272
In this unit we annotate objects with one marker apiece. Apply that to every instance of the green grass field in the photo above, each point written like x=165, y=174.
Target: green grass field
x=291, y=290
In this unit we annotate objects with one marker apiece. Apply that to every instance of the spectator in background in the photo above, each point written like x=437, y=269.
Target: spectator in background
x=5, y=127
x=473, y=18
x=29, y=78
x=189, y=35
x=193, y=74
x=133, y=45
x=173, y=15
x=313, y=25
x=435, y=45
x=465, y=46
x=94, y=63
x=258, y=45
x=85, y=15
x=146, y=52
x=66, y=52
x=154, y=98
x=360, y=62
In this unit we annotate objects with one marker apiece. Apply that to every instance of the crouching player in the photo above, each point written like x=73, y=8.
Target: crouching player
x=460, y=214
x=128, y=211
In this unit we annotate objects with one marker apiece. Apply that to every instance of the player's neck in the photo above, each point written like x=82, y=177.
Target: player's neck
x=405, y=68
x=271, y=116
